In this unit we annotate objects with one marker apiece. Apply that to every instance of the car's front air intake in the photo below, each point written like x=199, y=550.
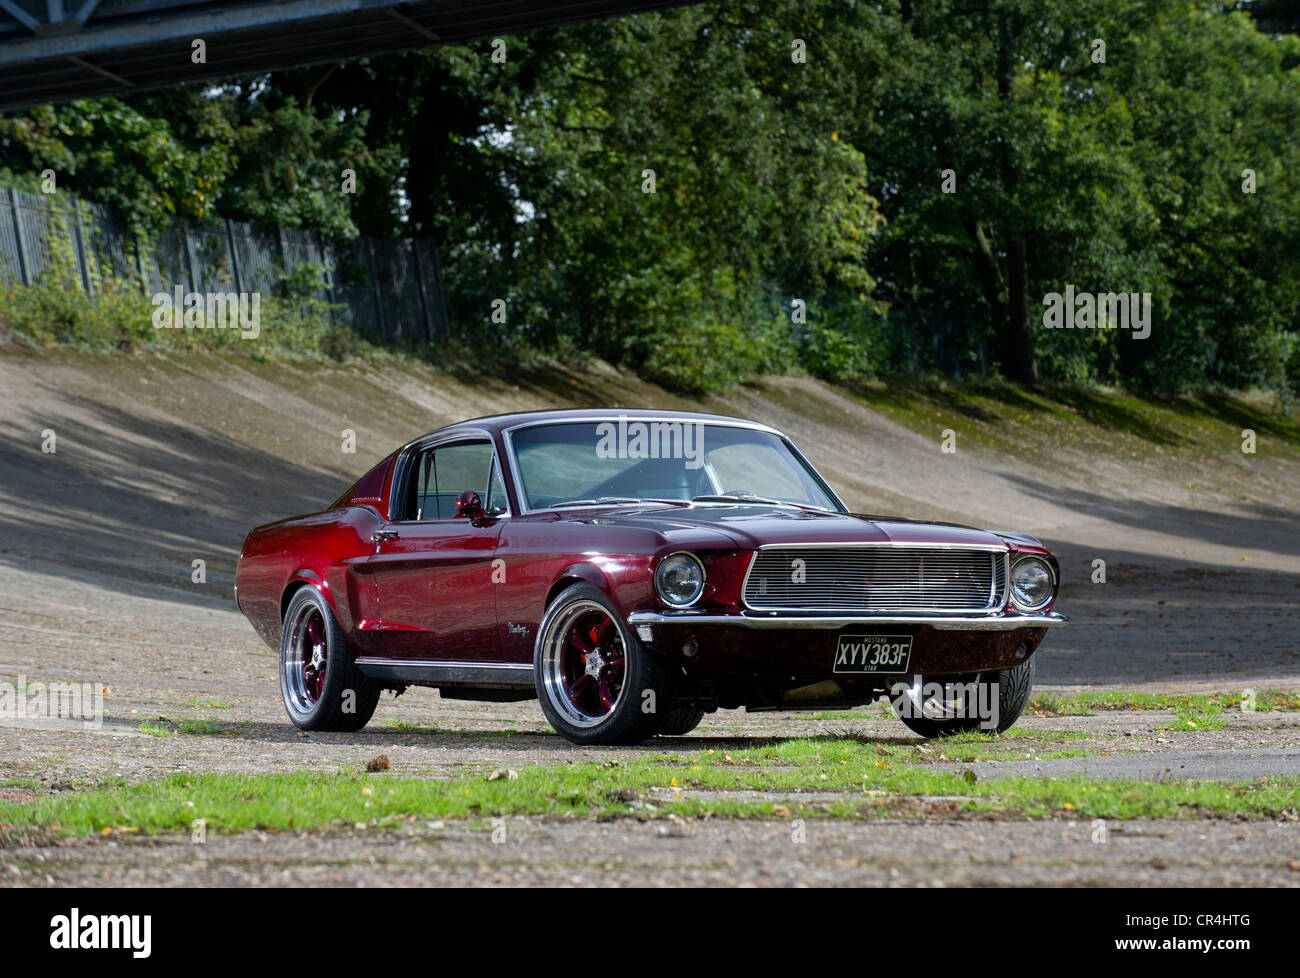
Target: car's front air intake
x=873, y=578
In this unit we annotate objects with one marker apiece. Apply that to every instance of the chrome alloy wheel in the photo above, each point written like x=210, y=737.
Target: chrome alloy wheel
x=584, y=664
x=305, y=661
x=945, y=707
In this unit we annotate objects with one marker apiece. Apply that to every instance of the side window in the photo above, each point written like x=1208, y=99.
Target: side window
x=443, y=473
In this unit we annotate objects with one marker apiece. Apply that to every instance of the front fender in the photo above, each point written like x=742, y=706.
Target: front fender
x=624, y=579
x=584, y=571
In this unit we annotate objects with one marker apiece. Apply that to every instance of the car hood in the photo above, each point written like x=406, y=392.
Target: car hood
x=750, y=527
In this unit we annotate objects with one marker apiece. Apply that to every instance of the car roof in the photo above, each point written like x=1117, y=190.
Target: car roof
x=496, y=423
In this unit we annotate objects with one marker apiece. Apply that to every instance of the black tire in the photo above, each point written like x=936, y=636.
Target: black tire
x=680, y=718
x=1013, y=688
x=346, y=699
x=644, y=681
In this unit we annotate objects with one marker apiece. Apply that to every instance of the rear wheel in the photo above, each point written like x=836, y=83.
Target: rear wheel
x=989, y=701
x=595, y=682
x=320, y=683
x=680, y=718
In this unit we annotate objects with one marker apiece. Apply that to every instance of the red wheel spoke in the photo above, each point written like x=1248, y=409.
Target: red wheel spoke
x=607, y=694
x=580, y=685
x=589, y=663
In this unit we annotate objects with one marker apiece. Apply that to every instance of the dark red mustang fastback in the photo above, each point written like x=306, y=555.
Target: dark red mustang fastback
x=633, y=570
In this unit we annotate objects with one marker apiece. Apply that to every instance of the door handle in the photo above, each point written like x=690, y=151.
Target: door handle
x=379, y=536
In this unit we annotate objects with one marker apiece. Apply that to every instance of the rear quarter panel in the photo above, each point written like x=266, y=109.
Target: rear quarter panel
x=326, y=550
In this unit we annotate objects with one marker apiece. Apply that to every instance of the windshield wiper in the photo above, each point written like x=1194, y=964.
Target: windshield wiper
x=731, y=497
x=749, y=497
x=594, y=502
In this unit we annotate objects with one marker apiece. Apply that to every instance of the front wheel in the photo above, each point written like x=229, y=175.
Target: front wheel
x=988, y=701
x=595, y=682
x=321, y=685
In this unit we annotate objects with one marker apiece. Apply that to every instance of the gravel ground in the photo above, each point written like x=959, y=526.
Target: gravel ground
x=212, y=669
x=692, y=852
x=162, y=463
x=1175, y=765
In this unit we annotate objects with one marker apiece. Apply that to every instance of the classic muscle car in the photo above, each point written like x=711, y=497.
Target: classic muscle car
x=633, y=570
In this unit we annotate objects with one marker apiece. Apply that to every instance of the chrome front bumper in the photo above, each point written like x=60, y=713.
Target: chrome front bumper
x=943, y=623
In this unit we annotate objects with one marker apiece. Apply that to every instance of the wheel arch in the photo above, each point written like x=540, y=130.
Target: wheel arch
x=300, y=580
x=580, y=573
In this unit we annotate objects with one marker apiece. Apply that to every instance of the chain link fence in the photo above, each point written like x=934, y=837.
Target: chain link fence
x=374, y=285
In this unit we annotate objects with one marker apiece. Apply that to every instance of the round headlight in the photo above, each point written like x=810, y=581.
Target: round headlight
x=679, y=579
x=1032, y=583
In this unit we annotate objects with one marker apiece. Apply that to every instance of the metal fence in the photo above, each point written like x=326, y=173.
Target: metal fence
x=374, y=285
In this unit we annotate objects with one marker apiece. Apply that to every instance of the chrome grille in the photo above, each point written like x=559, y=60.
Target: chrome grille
x=876, y=579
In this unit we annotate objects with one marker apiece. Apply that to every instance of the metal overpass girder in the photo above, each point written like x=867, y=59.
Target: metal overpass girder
x=50, y=52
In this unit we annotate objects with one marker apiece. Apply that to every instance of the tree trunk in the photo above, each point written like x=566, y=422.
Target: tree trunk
x=1009, y=304
x=1018, y=360
x=1015, y=334
x=986, y=268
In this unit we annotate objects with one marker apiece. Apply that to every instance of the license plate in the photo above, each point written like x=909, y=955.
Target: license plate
x=873, y=653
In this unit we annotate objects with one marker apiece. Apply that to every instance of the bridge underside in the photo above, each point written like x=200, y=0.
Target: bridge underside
x=50, y=52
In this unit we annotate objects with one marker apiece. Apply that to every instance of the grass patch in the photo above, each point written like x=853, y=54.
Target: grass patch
x=406, y=726
x=1205, y=704
x=1020, y=422
x=1050, y=705
x=54, y=312
x=1277, y=699
x=207, y=704
x=1195, y=720
x=1015, y=733
x=967, y=754
x=154, y=729
x=807, y=752
x=166, y=727
x=869, y=784
x=208, y=728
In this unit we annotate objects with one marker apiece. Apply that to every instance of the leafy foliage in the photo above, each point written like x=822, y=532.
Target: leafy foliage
x=778, y=179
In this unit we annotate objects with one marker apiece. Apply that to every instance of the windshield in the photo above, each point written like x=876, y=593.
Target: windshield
x=587, y=462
